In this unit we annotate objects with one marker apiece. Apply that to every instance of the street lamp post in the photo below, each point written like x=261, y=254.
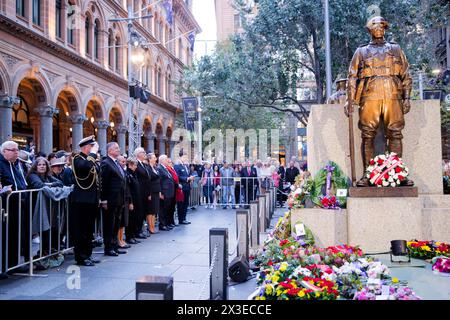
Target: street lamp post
x=133, y=124
x=200, y=129
x=327, y=49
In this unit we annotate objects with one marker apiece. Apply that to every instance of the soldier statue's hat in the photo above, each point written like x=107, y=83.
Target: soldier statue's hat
x=86, y=141
x=377, y=21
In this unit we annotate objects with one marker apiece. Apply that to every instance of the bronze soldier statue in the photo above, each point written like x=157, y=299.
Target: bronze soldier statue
x=380, y=84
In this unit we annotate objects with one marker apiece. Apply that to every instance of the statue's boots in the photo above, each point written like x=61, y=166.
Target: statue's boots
x=395, y=145
x=367, y=150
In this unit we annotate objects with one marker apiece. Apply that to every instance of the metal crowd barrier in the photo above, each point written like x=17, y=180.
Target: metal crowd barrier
x=234, y=192
x=27, y=213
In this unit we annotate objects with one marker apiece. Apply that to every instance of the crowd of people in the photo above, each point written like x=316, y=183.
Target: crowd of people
x=127, y=198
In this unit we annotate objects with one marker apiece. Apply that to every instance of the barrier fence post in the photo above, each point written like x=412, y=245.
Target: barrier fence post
x=271, y=202
x=2, y=212
x=267, y=210
x=242, y=228
x=254, y=237
x=154, y=288
x=274, y=199
x=262, y=213
x=218, y=258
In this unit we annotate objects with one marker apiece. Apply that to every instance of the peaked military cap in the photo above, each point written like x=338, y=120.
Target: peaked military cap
x=86, y=141
x=377, y=21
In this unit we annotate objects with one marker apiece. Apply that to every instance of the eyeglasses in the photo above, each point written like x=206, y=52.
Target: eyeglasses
x=13, y=150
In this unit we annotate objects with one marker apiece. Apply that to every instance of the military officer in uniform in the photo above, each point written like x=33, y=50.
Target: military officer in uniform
x=340, y=96
x=380, y=84
x=85, y=200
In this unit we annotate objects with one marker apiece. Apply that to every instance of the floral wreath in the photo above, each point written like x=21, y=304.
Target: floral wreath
x=330, y=176
x=386, y=170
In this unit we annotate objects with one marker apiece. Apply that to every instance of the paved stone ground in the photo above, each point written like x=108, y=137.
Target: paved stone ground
x=183, y=254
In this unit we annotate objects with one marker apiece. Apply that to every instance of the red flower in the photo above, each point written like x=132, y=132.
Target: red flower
x=283, y=242
x=325, y=202
x=380, y=162
x=379, y=182
x=372, y=162
x=372, y=174
x=398, y=170
x=286, y=285
x=270, y=263
x=401, y=178
x=386, y=176
x=293, y=291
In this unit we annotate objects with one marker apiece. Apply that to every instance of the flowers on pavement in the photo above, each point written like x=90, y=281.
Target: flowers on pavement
x=294, y=270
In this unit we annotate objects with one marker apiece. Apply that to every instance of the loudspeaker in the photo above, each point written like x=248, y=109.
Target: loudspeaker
x=135, y=92
x=239, y=270
x=145, y=96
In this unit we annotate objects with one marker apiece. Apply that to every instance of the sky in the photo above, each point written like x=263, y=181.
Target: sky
x=204, y=13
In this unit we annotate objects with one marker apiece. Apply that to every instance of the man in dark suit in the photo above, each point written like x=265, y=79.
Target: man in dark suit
x=167, y=193
x=144, y=178
x=113, y=198
x=249, y=182
x=185, y=177
x=291, y=172
x=280, y=196
x=11, y=176
x=84, y=200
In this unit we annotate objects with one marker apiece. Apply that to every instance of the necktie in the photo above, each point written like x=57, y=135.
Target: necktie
x=248, y=170
x=119, y=167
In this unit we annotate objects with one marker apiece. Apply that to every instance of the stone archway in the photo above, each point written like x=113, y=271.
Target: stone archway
x=159, y=139
x=68, y=107
x=95, y=124
x=116, y=129
x=32, y=116
x=148, y=138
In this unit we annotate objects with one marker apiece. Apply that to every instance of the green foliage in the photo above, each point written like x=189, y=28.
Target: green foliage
x=338, y=181
x=284, y=43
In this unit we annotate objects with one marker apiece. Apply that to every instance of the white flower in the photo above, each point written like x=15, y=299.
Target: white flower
x=385, y=183
x=393, y=184
x=391, y=179
x=364, y=262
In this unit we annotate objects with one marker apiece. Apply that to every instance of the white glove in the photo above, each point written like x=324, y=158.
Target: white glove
x=95, y=148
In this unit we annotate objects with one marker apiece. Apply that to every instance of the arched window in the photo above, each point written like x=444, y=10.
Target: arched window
x=150, y=22
x=117, y=54
x=97, y=39
x=58, y=18
x=149, y=77
x=36, y=8
x=161, y=32
x=155, y=27
x=158, y=81
x=168, y=84
x=180, y=49
x=20, y=8
x=110, y=49
x=71, y=16
x=87, y=31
